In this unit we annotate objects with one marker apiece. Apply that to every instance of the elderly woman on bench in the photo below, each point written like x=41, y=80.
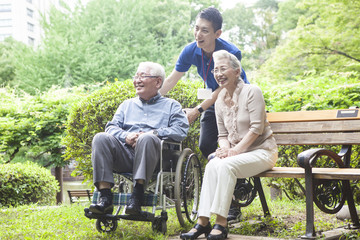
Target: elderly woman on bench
x=246, y=145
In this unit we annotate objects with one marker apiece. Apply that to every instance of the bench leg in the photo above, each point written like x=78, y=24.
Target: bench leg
x=71, y=201
x=351, y=204
x=260, y=191
x=309, y=186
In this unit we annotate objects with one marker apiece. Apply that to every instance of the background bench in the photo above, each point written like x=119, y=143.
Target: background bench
x=328, y=185
x=75, y=195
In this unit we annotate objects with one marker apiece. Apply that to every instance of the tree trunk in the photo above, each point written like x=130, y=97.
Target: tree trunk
x=59, y=178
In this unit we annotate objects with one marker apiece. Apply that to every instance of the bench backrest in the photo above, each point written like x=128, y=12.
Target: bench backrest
x=321, y=127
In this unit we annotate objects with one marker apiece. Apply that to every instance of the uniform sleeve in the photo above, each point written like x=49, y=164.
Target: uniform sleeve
x=184, y=61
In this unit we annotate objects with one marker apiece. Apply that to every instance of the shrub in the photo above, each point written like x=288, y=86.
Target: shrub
x=35, y=124
x=26, y=183
x=90, y=116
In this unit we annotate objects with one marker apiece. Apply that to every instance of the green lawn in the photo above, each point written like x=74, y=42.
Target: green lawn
x=69, y=222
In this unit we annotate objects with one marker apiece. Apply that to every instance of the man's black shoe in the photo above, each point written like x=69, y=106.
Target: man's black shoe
x=133, y=207
x=234, y=214
x=104, y=206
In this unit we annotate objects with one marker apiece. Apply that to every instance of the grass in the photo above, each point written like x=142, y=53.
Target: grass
x=68, y=222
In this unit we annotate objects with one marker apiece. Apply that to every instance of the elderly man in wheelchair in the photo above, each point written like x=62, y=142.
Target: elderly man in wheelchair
x=131, y=142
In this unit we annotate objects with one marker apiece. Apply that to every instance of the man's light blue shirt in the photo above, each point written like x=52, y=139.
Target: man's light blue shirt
x=162, y=114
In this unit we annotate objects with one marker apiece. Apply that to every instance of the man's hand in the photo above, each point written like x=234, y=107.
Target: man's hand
x=132, y=138
x=192, y=114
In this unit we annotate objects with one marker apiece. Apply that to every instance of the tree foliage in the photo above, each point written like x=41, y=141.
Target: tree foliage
x=324, y=39
x=257, y=29
x=105, y=40
x=10, y=51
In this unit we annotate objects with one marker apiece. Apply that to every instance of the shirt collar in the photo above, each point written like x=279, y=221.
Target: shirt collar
x=217, y=47
x=151, y=100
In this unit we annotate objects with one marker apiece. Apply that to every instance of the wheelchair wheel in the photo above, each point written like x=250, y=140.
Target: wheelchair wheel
x=187, y=186
x=104, y=225
x=244, y=192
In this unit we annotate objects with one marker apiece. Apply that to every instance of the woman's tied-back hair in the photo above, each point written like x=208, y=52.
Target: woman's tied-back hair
x=234, y=62
x=156, y=69
x=212, y=15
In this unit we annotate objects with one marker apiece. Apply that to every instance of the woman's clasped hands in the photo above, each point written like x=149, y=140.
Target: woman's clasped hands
x=224, y=152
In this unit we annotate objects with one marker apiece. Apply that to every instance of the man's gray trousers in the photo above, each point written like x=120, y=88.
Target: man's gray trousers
x=109, y=154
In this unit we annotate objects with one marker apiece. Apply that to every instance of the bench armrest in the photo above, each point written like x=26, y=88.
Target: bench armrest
x=308, y=158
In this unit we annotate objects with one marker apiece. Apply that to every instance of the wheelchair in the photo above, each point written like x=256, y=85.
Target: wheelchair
x=175, y=184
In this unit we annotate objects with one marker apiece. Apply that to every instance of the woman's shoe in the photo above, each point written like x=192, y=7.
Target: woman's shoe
x=221, y=236
x=200, y=230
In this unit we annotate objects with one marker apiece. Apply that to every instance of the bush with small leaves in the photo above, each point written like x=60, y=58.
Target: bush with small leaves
x=26, y=183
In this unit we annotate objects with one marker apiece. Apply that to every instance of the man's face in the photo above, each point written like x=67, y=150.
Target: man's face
x=205, y=35
x=146, y=85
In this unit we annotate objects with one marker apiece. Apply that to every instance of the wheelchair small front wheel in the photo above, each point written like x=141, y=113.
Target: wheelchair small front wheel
x=187, y=186
x=105, y=225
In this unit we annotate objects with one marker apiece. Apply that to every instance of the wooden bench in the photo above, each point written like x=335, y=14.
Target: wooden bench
x=327, y=186
x=75, y=195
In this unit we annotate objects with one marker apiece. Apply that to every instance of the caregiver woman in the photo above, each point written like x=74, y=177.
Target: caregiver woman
x=246, y=145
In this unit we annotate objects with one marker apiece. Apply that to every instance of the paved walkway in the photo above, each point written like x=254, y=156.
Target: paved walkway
x=328, y=235
x=233, y=237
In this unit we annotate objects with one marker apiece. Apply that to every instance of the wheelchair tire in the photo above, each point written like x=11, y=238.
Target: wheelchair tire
x=244, y=192
x=104, y=225
x=187, y=186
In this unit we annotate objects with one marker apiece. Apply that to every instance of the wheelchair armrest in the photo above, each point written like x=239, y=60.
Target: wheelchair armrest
x=170, y=144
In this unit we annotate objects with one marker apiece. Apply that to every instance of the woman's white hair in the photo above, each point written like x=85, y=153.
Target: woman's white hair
x=234, y=62
x=155, y=69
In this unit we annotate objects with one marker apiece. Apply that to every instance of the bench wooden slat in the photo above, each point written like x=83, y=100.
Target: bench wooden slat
x=318, y=173
x=79, y=194
x=75, y=195
x=318, y=115
x=313, y=127
x=318, y=139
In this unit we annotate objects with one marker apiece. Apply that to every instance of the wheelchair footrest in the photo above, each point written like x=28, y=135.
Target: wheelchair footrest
x=144, y=216
x=121, y=199
x=92, y=215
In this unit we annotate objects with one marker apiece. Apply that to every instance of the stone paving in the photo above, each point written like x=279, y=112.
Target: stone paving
x=328, y=235
x=233, y=237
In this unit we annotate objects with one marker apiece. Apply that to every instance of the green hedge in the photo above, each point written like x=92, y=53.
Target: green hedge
x=26, y=183
x=90, y=116
x=35, y=124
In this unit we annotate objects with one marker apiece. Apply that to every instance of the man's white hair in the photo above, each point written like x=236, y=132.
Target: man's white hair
x=155, y=69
